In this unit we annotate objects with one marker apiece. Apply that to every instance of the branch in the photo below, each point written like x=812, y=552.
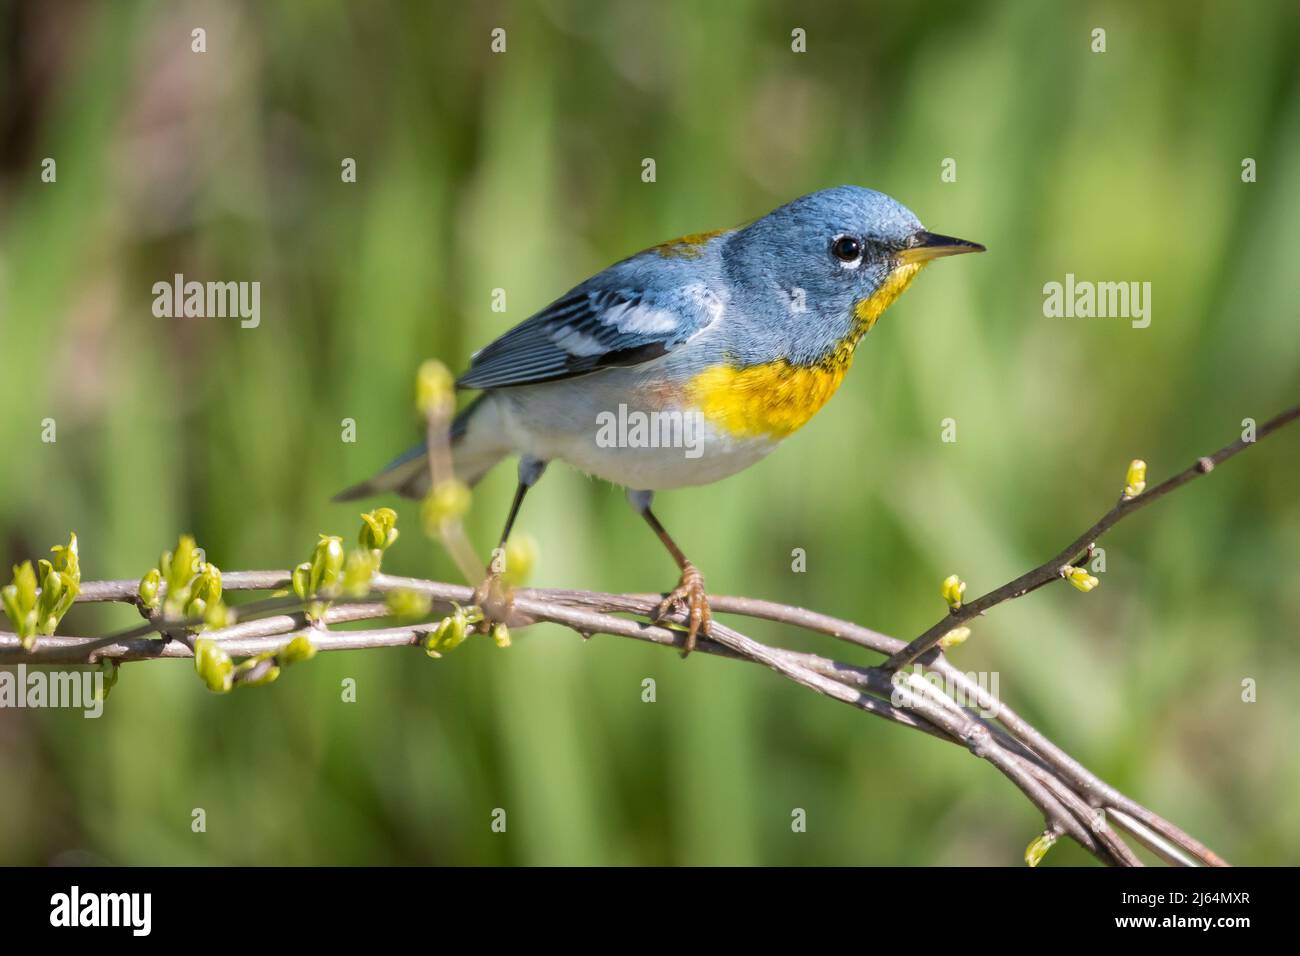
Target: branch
x=1074, y=801
x=866, y=689
x=1078, y=551
x=920, y=706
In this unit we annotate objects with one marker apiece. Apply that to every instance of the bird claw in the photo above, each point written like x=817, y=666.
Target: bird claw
x=689, y=598
x=495, y=599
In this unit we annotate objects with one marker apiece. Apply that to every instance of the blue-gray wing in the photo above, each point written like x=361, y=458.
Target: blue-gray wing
x=600, y=324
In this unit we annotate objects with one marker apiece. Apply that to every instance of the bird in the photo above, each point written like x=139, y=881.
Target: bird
x=735, y=338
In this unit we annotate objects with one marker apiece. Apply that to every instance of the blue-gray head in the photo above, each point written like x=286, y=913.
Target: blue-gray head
x=834, y=260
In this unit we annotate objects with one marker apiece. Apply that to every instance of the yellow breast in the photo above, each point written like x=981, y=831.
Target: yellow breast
x=777, y=398
x=774, y=399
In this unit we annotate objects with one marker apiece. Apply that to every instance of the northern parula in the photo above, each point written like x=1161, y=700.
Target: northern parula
x=686, y=362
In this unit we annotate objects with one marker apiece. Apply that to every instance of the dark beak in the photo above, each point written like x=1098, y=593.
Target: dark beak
x=925, y=246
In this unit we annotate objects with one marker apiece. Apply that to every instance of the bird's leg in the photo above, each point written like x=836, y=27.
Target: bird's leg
x=689, y=594
x=492, y=595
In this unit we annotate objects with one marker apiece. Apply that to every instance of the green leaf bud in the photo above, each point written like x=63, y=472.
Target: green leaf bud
x=326, y=565
x=213, y=665
x=378, y=529
x=148, y=590
x=299, y=649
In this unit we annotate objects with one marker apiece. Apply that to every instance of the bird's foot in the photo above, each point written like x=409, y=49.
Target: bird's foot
x=689, y=598
x=495, y=598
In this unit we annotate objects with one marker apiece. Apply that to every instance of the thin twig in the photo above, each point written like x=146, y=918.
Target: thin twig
x=1072, y=800
x=868, y=689
x=438, y=418
x=1051, y=569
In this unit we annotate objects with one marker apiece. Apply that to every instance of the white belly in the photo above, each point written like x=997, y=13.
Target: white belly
x=596, y=430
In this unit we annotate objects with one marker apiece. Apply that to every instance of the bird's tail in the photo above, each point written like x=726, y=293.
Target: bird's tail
x=477, y=443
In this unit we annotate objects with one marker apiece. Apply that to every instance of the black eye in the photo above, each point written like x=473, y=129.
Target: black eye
x=847, y=249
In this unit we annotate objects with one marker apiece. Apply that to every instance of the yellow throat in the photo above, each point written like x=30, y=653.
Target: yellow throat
x=777, y=398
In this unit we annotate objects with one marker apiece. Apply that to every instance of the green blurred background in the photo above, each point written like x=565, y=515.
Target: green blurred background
x=522, y=171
